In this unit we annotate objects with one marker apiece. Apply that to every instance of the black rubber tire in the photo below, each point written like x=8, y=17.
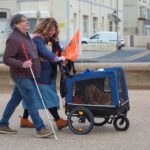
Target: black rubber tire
x=103, y=122
x=89, y=117
x=84, y=42
x=121, y=123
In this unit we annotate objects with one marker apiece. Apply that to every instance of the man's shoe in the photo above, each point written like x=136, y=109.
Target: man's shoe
x=25, y=123
x=44, y=132
x=7, y=130
x=61, y=123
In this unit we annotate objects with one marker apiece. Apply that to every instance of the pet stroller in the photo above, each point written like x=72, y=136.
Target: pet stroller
x=95, y=98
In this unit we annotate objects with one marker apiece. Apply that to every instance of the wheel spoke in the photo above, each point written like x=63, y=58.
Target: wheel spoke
x=81, y=123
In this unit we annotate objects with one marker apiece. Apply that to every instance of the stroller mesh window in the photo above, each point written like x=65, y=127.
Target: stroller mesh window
x=93, y=91
x=121, y=87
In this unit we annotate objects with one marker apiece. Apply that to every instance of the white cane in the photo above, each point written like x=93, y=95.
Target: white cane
x=46, y=111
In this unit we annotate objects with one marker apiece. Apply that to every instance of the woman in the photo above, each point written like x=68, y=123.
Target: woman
x=44, y=36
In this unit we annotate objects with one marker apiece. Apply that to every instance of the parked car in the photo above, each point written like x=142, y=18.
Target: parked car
x=105, y=37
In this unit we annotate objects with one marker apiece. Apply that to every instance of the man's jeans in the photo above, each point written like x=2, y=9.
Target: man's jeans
x=24, y=88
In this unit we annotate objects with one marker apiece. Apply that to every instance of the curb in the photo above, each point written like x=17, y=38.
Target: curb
x=137, y=74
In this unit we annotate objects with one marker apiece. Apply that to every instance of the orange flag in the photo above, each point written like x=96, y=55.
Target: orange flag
x=71, y=52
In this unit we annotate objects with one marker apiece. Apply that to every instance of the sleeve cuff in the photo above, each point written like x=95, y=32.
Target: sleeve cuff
x=55, y=59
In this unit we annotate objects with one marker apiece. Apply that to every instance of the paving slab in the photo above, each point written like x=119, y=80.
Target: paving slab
x=100, y=138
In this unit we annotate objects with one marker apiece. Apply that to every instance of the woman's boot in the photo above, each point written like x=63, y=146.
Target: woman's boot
x=25, y=123
x=61, y=123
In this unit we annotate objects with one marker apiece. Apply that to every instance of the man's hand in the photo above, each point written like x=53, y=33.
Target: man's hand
x=27, y=64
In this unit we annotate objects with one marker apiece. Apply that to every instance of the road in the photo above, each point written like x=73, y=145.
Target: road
x=123, y=56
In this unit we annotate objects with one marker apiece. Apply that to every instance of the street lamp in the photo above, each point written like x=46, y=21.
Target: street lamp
x=117, y=21
x=114, y=17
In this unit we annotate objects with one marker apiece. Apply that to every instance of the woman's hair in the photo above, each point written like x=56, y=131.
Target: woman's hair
x=45, y=26
x=16, y=19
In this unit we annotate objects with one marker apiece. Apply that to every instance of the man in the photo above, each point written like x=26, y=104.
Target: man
x=24, y=87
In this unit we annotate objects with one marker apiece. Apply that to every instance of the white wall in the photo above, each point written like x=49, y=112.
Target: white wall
x=130, y=16
x=59, y=12
x=138, y=41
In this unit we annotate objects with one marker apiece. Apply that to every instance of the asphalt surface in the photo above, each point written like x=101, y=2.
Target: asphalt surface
x=126, y=55
x=137, y=137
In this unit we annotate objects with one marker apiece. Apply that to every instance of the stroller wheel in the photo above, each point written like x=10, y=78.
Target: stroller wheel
x=100, y=121
x=121, y=123
x=80, y=120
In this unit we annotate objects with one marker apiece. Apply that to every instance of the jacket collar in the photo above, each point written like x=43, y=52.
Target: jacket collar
x=21, y=33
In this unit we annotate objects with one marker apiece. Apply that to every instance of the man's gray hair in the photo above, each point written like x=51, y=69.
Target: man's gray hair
x=16, y=19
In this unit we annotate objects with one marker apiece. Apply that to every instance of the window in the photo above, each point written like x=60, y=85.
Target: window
x=144, y=1
x=110, y=26
x=121, y=86
x=95, y=24
x=32, y=23
x=94, y=91
x=148, y=14
x=75, y=22
x=85, y=24
x=142, y=12
x=96, y=36
x=3, y=14
x=102, y=24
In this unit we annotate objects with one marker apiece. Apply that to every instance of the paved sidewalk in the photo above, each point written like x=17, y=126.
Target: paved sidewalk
x=100, y=138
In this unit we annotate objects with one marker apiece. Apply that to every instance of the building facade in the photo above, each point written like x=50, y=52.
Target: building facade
x=137, y=17
x=89, y=16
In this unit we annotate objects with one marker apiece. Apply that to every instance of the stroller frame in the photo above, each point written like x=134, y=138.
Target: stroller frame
x=86, y=115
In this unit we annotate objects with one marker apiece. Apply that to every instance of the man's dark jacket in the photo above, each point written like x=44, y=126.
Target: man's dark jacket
x=14, y=56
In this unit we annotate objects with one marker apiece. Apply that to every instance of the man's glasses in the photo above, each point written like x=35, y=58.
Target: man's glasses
x=24, y=20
